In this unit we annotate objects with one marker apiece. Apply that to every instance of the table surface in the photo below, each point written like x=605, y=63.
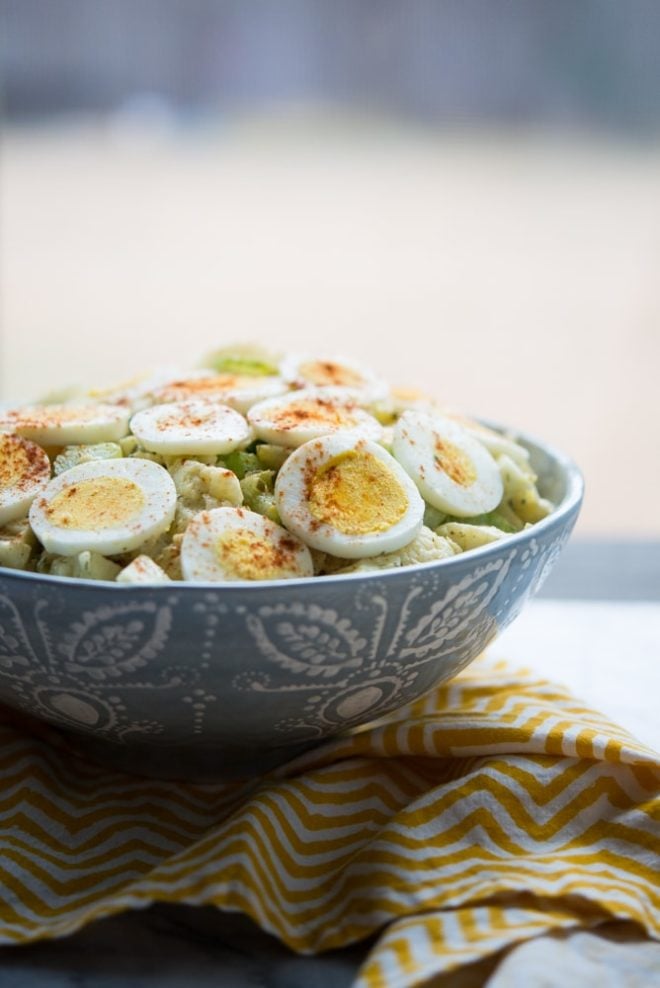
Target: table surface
x=601, y=599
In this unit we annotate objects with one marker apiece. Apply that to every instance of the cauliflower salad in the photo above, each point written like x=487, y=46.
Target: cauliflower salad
x=253, y=467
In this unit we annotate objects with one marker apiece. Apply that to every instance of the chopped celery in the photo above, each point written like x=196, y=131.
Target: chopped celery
x=384, y=412
x=433, y=517
x=242, y=365
x=504, y=519
x=240, y=463
x=497, y=520
x=272, y=456
x=128, y=445
x=248, y=361
x=258, y=494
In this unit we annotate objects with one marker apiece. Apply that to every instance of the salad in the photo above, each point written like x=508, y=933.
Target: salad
x=253, y=467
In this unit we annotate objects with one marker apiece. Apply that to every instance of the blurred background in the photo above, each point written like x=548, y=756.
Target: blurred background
x=465, y=195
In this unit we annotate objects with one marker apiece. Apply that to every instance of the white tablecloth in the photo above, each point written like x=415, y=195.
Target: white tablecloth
x=607, y=653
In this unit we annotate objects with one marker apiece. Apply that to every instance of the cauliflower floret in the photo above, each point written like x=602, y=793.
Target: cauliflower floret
x=72, y=456
x=424, y=549
x=17, y=541
x=164, y=550
x=201, y=487
x=169, y=558
x=142, y=570
x=197, y=482
x=85, y=565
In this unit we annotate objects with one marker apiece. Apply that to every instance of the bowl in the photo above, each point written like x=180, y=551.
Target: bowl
x=201, y=681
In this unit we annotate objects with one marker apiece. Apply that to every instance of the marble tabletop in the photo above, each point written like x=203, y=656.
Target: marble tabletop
x=606, y=650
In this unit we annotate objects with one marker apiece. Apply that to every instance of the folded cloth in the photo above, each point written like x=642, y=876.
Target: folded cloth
x=494, y=810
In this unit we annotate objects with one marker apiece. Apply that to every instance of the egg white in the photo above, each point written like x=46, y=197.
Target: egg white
x=293, y=493
x=496, y=443
x=153, y=516
x=136, y=392
x=239, y=391
x=226, y=544
x=191, y=428
x=24, y=471
x=364, y=385
x=296, y=418
x=453, y=471
x=67, y=424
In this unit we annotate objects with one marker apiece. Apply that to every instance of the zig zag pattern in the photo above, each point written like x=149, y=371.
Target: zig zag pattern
x=493, y=810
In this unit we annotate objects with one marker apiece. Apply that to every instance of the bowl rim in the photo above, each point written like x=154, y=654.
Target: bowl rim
x=569, y=504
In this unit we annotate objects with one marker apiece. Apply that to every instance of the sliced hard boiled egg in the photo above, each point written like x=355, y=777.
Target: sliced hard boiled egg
x=237, y=544
x=135, y=393
x=294, y=419
x=405, y=398
x=495, y=442
x=499, y=445
x=303, y=371
x=454, y=472
x=107, y=506
x=348, y=497
x=240, y=391
x=24, y=471
x=190, y=428
x=66, y=425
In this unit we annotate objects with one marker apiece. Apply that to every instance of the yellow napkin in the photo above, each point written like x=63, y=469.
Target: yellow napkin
x=494, y=810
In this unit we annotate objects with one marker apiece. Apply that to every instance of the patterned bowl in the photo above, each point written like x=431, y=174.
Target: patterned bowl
x=203, y=681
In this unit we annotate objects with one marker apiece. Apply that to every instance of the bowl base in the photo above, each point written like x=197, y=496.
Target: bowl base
x=210, y=763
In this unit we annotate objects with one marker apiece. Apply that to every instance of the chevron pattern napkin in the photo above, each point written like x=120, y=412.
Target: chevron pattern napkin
x=492, y=811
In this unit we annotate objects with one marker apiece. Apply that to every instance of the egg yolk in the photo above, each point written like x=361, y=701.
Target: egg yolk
x=110, y=392
x=324, y=373
x=454, y=462
x=244, y=555
x=21, y=463
x=357, y=494
x=204, y=387
x=409, y=394
x=315, y=413
x=96, y=504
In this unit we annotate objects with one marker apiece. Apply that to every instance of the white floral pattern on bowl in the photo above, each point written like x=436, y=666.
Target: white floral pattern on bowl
x=215, y=670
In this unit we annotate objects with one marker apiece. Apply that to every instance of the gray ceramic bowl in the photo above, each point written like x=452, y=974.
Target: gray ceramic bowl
x=203, y=681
